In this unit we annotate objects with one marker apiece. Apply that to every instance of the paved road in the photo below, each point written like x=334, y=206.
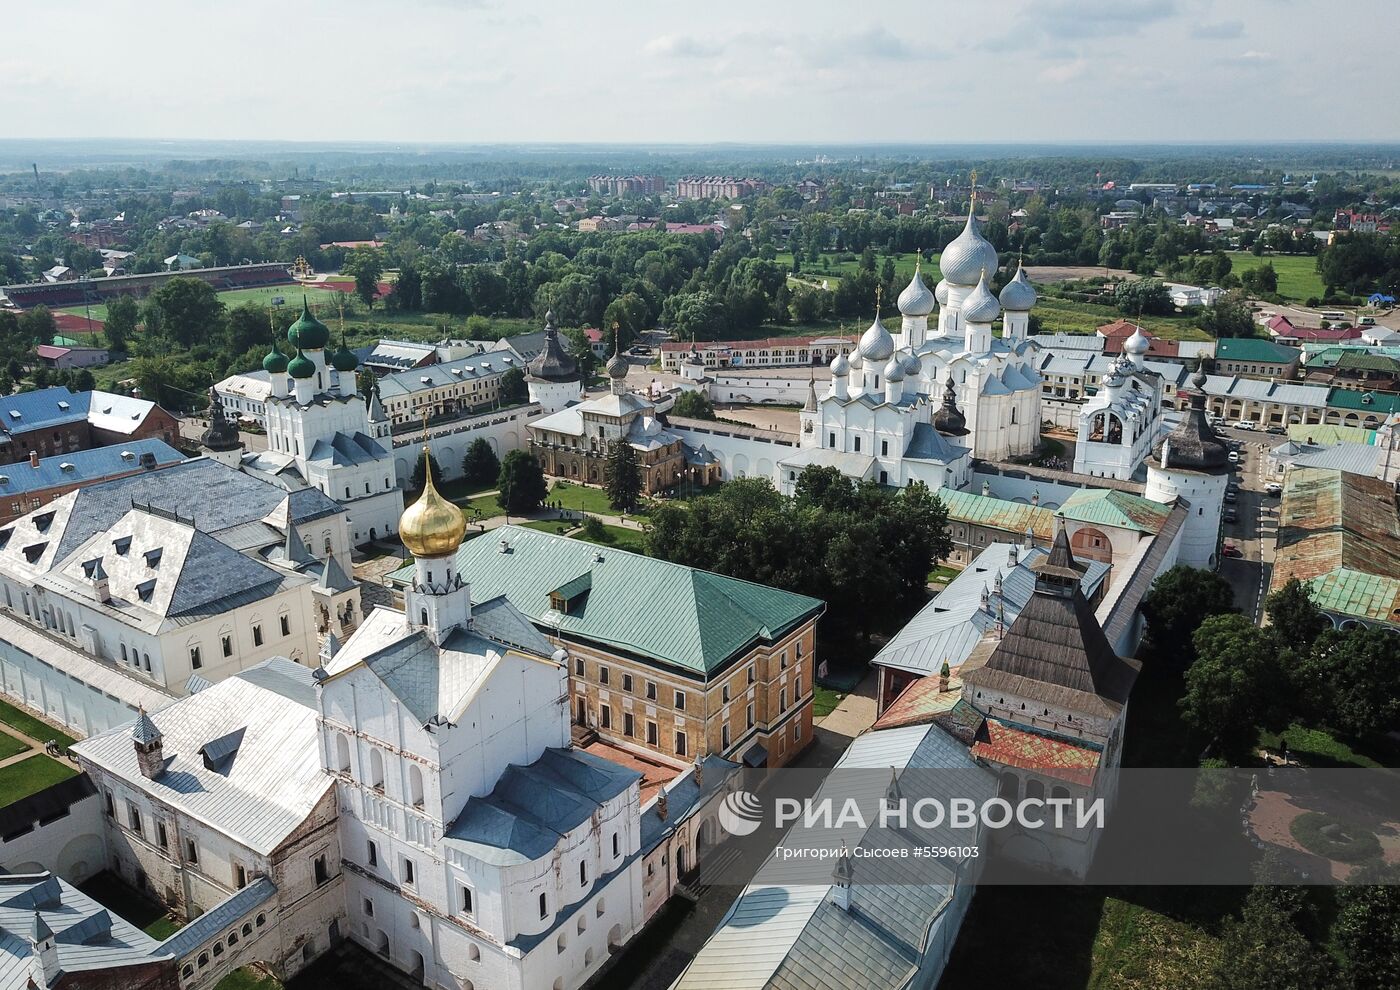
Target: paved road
x=1256, y=531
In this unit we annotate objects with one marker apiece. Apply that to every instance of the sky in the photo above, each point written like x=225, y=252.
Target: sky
x=657, y=71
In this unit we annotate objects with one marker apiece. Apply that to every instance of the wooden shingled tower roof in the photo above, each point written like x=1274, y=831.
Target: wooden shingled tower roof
x=1055, y=652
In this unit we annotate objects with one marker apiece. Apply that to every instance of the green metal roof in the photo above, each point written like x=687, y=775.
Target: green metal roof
x=1362, y=361
x=1108, y=507
x=1340, y=534
x=1379, y=403
x=1326, y=434
x=682, y=616
x=999, y=513
x=1254, y=349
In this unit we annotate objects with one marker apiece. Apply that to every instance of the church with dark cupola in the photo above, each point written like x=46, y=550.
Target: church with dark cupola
x=322, y=433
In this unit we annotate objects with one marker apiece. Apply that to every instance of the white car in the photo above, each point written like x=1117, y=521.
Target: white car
x=1244, y=424
x=1274, y=488
x=1234, y=457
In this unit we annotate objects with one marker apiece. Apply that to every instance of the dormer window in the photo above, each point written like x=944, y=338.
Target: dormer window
x=146, y=590
x=5, y=535
x=43, y=521
x=34, y=551
x=121, y=544
x=153, y=557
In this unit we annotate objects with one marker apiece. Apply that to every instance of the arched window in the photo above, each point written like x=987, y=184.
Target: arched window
x=1035, y=790
x=415, y=786
x=376, y=769
x=342, y=753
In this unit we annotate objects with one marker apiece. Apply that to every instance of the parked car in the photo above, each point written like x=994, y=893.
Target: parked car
x=1230, y=516
x=1230, y=550
x=1277, y=431
x=1234, y=457
x=1273, y=488
x=1231, y=497
x=1233, y=486
x=1244, y=424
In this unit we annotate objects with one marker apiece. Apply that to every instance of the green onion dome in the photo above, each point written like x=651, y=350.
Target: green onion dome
x=275, y=363
x=301, y=366
x=308, y=333
x=343, y=360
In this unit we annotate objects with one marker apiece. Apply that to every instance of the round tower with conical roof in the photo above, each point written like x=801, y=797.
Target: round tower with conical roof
x=553, y=377
x=221, y=442
x=1192, y=464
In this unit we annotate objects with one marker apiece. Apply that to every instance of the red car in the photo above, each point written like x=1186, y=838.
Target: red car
x=1230, y=550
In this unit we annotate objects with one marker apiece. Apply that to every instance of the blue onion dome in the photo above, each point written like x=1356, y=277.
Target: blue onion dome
x=275, y=363
x=840, y=366
x=981, y=306
x=940, y=292
x=876, y=344
x=301, y=366
x=912, y=365
x=308, y=333
x=1018, y=295
x=894, y=370
x=968, y=256
x=916, y=299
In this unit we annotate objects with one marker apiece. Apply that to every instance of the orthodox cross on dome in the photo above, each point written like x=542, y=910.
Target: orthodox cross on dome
x=972, y=179
x=877, y=301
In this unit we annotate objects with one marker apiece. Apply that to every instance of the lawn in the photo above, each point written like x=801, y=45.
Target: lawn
x=459, y=490
x=942, y=574
x=1316, y=748
x=19, y=780
x=1068, y=316
x=827, y=267
x=825, y=700
x=593, y=501
x=10, y=746
x=34, y=728
x=619, y=537
x=248, y=978
x=550, y=526
x=115, y=895
x=479, y=508
x=1297, y=273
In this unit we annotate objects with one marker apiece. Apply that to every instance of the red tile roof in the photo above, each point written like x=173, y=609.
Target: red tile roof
x=920, y=702
x=1014, y=747
x=1120, y=330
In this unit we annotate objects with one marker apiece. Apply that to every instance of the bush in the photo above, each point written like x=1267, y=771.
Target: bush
x=1333, y=838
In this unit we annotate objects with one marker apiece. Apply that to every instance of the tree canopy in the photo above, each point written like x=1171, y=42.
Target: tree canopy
x=521, y=485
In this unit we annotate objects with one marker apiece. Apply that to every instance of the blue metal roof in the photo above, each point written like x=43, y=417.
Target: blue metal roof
x=81, y=466
x=42, y=408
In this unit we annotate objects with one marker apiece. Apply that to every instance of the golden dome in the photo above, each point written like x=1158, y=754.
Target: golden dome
x=432, y=526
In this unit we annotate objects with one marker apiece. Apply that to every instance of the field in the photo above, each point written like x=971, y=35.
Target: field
x=19, y=780
x=1066, y=316
x=829, y=268
x=1297, y=273
x=583, y=498
x=619, y=537
x=34, y=728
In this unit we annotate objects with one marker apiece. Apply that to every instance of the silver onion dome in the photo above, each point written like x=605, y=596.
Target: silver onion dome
x=1018, y=296
x=981, y=306
x=916, y=299
x=876, y=344
x=968, y=256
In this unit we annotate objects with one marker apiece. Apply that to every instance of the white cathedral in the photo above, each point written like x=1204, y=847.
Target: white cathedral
x=322, y=434
x=919, y=406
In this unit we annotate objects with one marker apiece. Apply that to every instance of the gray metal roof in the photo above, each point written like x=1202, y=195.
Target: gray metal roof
x=533, y=807
x=261, y=792
x=82, y=466
x=348, y=449
x=683, y=798
x=88, y=937
x=221, y=916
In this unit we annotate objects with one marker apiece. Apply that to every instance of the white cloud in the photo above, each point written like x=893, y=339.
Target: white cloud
x=1064, y=72
x=1221, y=31
x=1099, y=18
x=681, y=46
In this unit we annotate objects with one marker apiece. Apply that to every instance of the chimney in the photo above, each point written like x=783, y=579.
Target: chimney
x=661, y=810
x=699, y=772
x=150, y=746
x=944, y=673
x=43, y=960
x=33, y=458
x=841, y=878
x=101, y=589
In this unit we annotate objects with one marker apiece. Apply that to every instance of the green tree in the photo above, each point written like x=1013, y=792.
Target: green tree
x=513, y=388
x=1261, y=281
x=581, y=350
x=37, y=325
x=629, y=314
x=1364, y=933
x=1179, y=600
x=622, y=476
x=1230, y=316
x=809, y=305
x=521, y=483
x=1353, y=673
x=1265, y=948
x=480, y=466
x=120, y=325
x=696, y=315
x=367, y=266
x=1237, y=685
x=416, y=480
x=1293, y=613
x=1142, y=295
x=190, y=310
x=693, y=405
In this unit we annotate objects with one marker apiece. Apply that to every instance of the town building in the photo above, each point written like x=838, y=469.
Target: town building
x=729, y=672
x=444, y=390
x=574, y=442
x=718, y=187
x=25, y=487
x=54, y=420
x=774, y=352
x=60, y=358
x=1339, y=533
x=1253, y=357
x=1190, y=466
x=627, y=185
x=131, y=592
x=219, y=799
x=553, y=379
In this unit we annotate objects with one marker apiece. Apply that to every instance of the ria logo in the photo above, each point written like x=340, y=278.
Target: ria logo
x=740, y=813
